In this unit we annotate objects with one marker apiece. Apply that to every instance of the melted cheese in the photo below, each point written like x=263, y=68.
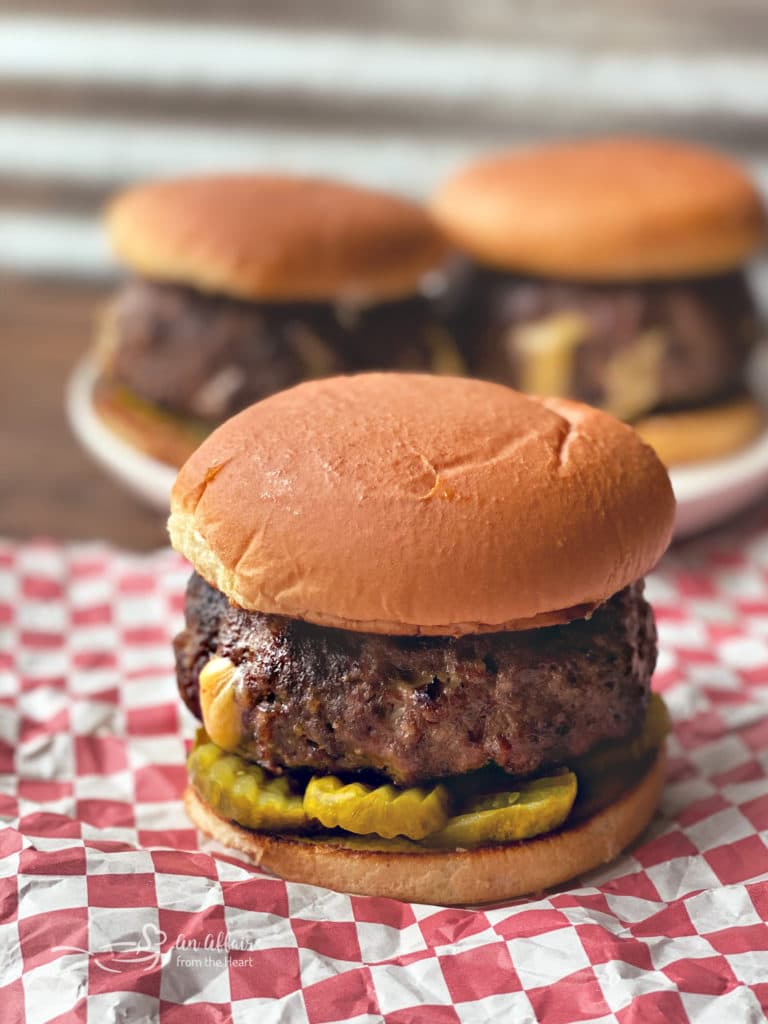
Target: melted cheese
x=218, y=702
x=545, y=350
x=107, y=336
x=446, y=358
x=317, y=357
x=631, y=379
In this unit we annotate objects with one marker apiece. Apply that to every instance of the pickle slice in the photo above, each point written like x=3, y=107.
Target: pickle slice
x=488, y=811
x=535, y=807
x=244, y=792
x=383, y=810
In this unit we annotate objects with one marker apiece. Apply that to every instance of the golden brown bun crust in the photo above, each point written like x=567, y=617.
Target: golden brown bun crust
x=165, y=437
x=607, y=209
x=405, y=504
x=275, y=237
x=484, y=875
x=695, y=435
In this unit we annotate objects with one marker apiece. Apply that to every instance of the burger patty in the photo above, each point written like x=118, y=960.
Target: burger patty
x=209, y=356
x=629, y=348
x=416, y=708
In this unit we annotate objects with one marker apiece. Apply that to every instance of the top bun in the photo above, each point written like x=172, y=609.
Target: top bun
x=407, y=504
x=275, y=237
x=608, y=209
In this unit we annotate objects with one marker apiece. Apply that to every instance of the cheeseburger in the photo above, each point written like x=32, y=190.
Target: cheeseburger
x=611, y=271
x=416, y=636
x=244, y=285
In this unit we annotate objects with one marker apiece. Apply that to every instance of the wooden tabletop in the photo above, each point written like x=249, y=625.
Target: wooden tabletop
x=48, y=485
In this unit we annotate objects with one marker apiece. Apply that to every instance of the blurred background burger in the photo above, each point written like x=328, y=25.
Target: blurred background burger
x=247, y=284
x=611, y=270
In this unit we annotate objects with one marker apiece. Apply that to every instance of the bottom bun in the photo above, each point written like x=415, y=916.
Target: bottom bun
x=487, y=874
x=694, y=435
x=166, y=437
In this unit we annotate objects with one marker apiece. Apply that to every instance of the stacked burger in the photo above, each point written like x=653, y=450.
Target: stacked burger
x=416, y=636
x=247, y=284
x=612, y=271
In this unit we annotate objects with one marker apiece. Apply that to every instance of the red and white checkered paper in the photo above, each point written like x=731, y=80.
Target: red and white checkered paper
x=105, y=888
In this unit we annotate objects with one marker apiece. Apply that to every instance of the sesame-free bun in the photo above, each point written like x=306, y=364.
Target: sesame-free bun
x=696, y=435
x=487, y=874
x=163, y=435
x=607, y=209
x=275, y=238
x=407, y=504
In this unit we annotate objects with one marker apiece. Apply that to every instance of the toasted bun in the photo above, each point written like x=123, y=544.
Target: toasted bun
x=606, y=209
x=168, y=438
x=402, y=503
x=695, y=435
x=275, y=237
x=449, y=877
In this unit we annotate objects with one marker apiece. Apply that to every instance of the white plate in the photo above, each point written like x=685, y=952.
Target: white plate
x=149, y=478
x=707, y=493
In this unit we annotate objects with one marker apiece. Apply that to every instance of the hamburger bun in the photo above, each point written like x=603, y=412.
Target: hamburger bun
x=407, y=504
x=160, y=434
x=695, y=435
x=275, y=238
x=604, y=209
x=480, y=875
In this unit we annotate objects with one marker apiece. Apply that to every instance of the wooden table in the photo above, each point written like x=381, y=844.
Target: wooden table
x=48, y=485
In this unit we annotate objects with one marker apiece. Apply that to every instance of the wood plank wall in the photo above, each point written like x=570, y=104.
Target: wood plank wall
x=395, y=94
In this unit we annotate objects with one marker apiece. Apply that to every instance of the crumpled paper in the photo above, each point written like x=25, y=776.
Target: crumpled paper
x=113, y=909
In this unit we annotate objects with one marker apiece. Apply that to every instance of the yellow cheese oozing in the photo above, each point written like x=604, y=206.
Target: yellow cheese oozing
x=545, y=350
x=219, y=703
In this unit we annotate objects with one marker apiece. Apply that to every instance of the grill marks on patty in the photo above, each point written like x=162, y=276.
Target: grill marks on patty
x=415, y=708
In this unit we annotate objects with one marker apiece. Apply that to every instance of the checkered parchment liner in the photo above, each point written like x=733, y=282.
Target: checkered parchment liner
x=105, y=891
